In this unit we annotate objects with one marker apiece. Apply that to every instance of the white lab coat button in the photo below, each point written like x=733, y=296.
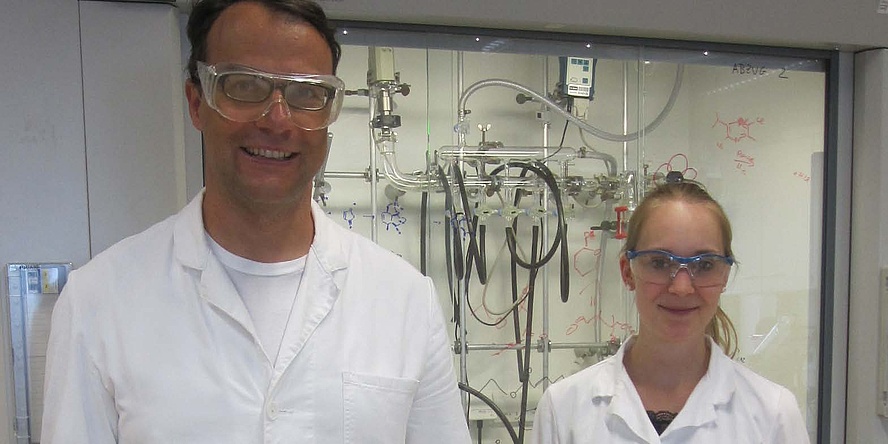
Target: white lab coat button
x=272, y=411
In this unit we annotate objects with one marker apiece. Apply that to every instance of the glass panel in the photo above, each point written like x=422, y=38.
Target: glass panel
x=748, y=125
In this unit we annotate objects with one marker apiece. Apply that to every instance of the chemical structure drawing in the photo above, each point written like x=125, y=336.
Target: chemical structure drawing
x=585, y=320
x=349, y=216
x=613, y=324
x=514, y=393
x=678, y=162
x=584, y=258
x=460, y=223
x=744, y=162
x=738, y=129
x=392, y=217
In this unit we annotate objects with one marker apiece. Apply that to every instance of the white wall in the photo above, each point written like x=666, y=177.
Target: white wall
x=869, y=246
x=134, y=116
x=42, y=171
x=85, y=162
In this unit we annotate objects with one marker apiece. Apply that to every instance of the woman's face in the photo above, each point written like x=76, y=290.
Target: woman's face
x=676, y=311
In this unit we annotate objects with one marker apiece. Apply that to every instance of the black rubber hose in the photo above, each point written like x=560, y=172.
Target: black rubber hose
x=525, y=374
x=516, y=320
x=542, y=171
x=472, y=250
x=499, y=413
x=549, y=179
x=452, y=225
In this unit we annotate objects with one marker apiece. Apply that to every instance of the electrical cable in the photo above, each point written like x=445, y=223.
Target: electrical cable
x=560, y=145
x=563, y=134
x=592, y=84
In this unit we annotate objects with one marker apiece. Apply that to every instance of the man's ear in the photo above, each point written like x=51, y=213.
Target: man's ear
x=194, y=98
x=626, y=273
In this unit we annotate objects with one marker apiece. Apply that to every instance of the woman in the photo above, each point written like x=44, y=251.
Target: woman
x=673, y=382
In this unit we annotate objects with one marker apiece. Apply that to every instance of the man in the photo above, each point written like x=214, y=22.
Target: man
x=250, y=317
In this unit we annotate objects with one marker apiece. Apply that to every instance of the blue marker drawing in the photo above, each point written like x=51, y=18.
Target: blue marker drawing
x=392, y=217
x=349, y=216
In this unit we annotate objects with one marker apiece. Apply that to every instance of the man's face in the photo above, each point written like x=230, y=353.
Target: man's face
x=270, y=160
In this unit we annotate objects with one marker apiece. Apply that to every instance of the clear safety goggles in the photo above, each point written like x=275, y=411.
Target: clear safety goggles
x=244, y=94
x=660, y=267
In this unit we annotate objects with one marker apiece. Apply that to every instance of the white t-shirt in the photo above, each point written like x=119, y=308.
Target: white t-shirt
x=268, y=291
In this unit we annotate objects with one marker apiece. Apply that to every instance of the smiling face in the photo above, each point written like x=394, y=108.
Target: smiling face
x=677, y=311
x=269, y=161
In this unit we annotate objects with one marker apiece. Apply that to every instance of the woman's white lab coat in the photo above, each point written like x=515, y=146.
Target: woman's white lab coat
x=151, y=343
x=731, y=404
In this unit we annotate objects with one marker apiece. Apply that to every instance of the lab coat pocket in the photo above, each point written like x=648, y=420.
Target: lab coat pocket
x=376, y=408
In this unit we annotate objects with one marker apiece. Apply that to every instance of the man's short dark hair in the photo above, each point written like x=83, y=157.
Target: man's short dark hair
x=205, y=13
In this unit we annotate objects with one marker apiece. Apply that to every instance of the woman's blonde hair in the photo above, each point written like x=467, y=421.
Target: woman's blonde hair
x=720, y=328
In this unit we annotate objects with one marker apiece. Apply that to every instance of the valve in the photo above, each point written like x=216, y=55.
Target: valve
x=606, y=225
x=621, y=224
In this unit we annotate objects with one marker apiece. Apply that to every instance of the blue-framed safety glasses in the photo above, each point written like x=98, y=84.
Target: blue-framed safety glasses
x=660, y=267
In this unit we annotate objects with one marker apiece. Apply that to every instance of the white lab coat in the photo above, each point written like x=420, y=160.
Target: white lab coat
x=151, y=343
x=731, y=404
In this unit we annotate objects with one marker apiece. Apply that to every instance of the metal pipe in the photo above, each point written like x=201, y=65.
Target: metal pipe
x=394, y=175
x=423, y=181
x=348, y=175
x=545, y=303
x=508, y=153
x=372, y=172
x=463, y=329
x=463, y=334
x=601, y=260
x=633, y=191
x=552, y=346
x=640, y=142
x=404, y=182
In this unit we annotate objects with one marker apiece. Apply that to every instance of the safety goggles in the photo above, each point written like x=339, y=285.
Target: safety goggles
x=243, y=94
x=660, y=267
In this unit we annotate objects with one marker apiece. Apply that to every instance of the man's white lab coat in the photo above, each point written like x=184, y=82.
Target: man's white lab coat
x=731, y=404
x=151, y=343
